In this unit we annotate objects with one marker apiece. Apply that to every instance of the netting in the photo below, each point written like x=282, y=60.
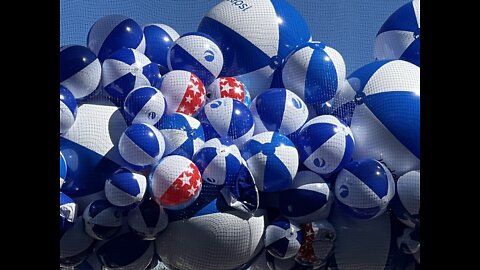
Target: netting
x=349, y=26
x=210, y=234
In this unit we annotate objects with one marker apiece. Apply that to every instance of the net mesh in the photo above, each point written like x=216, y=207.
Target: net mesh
x=349, y=26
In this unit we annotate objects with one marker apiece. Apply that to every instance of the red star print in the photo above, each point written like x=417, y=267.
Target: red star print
x=194, y=96
x=306, y=253
x=178, y=192
x=232, y=88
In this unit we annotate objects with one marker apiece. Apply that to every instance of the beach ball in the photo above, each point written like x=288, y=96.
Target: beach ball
x=406, y=202
x=314, y=72
x=68, y=109
x=307, y=199
x=278, y=109
x=384, y=114
x=183, y=91
x=158, y=40
x=399, y=36
x=319, y=239
x=102, y=219
x=80, y=70
x=68, y=212
x=147, y=220
x=273, y=160
x=209, y=234
x=75, y=244
x=90, y=149
x=63, y=169
x=183, y=134
x=325, y=144
x=112, y=33
x=283, y=238
x=218, y=160
x=141, y=145
x=197, y=53
x=125, y=70
x=364, y=188
x=227, y=118
x=175, y=182
x=125, y=188
x=254, y=37
x=144, y=105
x=126, y=251
x=226, y=87
x=248, y=98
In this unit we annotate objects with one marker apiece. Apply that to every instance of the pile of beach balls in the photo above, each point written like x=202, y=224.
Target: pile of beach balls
x=242, y=145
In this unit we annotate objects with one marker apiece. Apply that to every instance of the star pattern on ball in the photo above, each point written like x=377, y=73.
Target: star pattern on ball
x=232, y=88
x=185, y=186
x=194, y=97
x=306, y=253
x=185, y=179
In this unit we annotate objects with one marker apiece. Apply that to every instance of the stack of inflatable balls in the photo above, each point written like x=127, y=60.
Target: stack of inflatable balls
x=242, y=145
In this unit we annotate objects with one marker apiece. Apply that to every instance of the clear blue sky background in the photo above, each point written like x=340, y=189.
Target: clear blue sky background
x=347, y=25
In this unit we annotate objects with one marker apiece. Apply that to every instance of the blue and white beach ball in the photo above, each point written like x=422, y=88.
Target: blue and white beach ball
x=75, y=244
x=125, y=70
x=141, y=145
x=210, y=226
x=147, y=220
x=183, y=134
x=125, y=188
x=68, y=109
x=144, y=105
x=63, y=169
x=102, y=219
x=365, y=187
x=307, y=199
x=126, y=251
x=383, y=111
x=325, y=144
x=278, y=109
x=218, y=160
x=197, y=53
x=68, y=212
x=283, y=238
x=399, y=36
x=175, y=182
x=227, y=118
x=80, y=70
x=90, y=149
x=314, y=72
x=183, y=91
x=255, y=37
x=272, y=159
x=112, y=33
x=158, y=40
x=406, y=202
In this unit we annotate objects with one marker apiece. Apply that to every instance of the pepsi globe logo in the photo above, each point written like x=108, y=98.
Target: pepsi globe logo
x=216, y=104
x=209, y=55
x=240, y=4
